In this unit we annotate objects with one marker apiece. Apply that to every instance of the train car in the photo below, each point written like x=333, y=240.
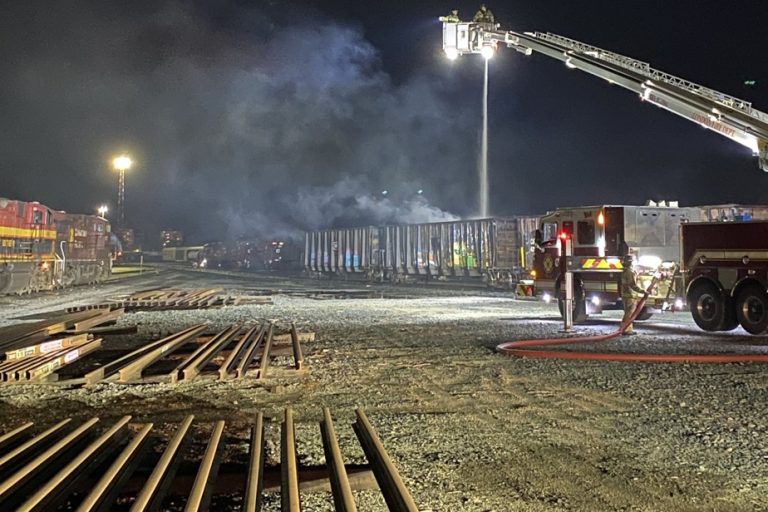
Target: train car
x=282, y=255
x=733, y=212
x=256, y=255
x=27, y=239
x=182, y=254
x=495, y=250
x=83, y=249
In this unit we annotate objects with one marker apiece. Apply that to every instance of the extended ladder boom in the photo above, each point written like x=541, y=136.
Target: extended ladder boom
x=729, y=116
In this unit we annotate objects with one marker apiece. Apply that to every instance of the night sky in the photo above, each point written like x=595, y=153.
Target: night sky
x=264, y=118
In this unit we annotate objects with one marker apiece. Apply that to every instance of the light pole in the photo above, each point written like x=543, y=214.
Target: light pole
x=487, y=53
x=102, y=211
x=121, y=164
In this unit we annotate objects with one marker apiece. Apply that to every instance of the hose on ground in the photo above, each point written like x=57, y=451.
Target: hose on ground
x=523, y=348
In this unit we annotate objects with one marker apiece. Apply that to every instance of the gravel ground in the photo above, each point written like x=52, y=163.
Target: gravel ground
x=468, y=429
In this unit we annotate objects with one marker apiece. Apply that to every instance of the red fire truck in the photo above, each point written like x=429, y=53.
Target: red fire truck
x=601, y=236
x=725, y=269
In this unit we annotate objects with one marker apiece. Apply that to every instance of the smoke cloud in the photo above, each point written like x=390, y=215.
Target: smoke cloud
x=250, y=122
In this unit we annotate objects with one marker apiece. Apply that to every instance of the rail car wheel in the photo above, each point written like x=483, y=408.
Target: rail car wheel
x=708, y=307
x=752, y=309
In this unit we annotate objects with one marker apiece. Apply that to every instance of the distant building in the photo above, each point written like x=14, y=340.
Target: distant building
x=127, y=238
x=171, y=238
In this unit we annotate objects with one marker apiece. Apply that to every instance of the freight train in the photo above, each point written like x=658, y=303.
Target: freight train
x=42, y=249
x=254, y=255
x=494, y=250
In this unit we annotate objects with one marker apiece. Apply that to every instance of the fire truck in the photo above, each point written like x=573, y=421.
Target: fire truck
x=729, y=116
x=601, y=236
x=725, y=269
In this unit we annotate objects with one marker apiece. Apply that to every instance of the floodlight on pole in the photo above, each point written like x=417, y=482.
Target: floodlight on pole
x=121, y=164
x=487, y=52
x=102, y=210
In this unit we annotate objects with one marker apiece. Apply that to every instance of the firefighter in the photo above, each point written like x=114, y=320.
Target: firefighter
x=484, y=15
x=451, y=18
x=629, y=292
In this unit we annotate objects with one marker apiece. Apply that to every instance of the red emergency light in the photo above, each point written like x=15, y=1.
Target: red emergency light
x=564, y=235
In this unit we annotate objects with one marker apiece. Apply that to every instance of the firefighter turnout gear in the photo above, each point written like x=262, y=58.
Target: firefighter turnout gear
x=484, y=15
x=631, y=293
x=451, y=18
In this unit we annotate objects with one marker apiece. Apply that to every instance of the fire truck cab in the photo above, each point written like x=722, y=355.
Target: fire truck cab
x=601, y=236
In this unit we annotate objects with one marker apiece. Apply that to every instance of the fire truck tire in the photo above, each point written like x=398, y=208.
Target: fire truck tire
x=709, y=307
x=752, y=309
x=645, y=314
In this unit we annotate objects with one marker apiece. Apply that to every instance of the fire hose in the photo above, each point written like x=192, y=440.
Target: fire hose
x=523, y=348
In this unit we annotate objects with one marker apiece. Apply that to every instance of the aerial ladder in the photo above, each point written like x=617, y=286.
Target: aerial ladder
x=729, y=116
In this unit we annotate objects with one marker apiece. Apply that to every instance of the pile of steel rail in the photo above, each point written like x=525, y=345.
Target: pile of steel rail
x=165, y=299
x=230, y=354
x=233, y=353
x=35, y=352
x=92, y=469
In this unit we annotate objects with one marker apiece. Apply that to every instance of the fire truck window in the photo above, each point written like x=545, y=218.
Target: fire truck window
x=549, y=231
x=586, y=232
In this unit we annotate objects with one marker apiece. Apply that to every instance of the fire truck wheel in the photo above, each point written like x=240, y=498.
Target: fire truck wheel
x=752, y=309
x=708, y=307
x=645, y=314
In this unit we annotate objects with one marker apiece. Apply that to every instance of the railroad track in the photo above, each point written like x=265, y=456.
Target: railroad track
x=94, y=468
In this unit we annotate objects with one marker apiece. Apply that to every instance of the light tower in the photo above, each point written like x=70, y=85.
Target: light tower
x=121, y=164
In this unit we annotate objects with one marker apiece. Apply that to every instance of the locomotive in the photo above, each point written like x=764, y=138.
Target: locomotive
x=42, y=249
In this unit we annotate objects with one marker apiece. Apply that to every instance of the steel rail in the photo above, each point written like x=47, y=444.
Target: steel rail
x=290, y=499
x=11, y=437
x=230, y=363
x=343, y=499
x=194, y=366
x=154, y=489
x=67, y=356
x=392, y=487
x=43, y=460
x=200, y=496
x=134, y=369
x=250, y=352
x=113, y=366
x=264, y=364
x=105, y=491
x=298, y=357
x=30, y=444
x=254, y=485
x=176, y=374
x=89, y=456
